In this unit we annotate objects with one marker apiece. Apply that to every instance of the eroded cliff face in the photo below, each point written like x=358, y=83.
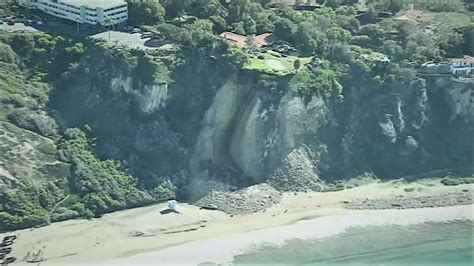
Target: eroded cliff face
x=250, y=132
x=299, y=140
x=237, y=133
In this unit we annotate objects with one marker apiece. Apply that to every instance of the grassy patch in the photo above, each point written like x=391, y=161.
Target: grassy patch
x=3, y=113
x=12, y=128
x=47, y=148
x=274, y=63
x=451, y=19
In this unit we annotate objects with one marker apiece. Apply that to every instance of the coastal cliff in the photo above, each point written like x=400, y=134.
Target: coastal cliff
x=119, y=129
x=233, y=132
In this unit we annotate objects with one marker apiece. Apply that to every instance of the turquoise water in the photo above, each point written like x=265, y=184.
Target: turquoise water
x=424, y=244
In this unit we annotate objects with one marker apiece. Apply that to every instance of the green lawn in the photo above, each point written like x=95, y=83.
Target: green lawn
x=274, y=63
x=452, y=19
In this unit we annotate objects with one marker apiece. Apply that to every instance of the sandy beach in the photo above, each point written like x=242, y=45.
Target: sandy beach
x=143, y=234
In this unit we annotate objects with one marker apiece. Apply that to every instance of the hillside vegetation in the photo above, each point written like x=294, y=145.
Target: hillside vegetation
x=89, y=127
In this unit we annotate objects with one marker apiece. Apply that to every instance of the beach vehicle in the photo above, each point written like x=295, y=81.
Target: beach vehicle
x=210, y=206
x=146, y=35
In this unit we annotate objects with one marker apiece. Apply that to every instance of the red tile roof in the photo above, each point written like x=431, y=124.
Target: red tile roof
x=241, y=41
x=238, y=39
x=264, y=39
x=411, y=15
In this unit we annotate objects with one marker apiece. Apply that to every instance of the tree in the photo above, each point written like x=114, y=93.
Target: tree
x=175, y=8
x=236, y=57
x=305, y=38
x=239, y=28
x=251, y=44
x=468, y=35
x=149, y=12
x=361, y=40
x=7, y=55
x=393, y=50
x=284, y=29
x=375, y=32
x=440, y=5
x=395, y=5
x=204, y=8
x=322, y=81
x=200, y=30
x=387, y=5
x=78, y=21
x=109, y=22
x=265, y=20
x=239, y=10
x=219, y=23
x=250, y=26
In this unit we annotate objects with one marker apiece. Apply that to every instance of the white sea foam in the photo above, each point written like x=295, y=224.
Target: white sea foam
x=223, y=249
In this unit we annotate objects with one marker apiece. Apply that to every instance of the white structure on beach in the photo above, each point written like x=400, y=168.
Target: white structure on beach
x=173, y=205
x=92, y=12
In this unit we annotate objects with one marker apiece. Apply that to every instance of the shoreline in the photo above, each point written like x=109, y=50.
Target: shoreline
x=204, y=251
x=139, y=231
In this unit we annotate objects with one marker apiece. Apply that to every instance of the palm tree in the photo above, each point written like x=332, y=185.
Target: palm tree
x=109, y=22
x=78, y=20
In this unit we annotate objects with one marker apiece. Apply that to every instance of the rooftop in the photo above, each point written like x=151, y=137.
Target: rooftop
x=238, y=39
x=466, y=58
x=264, y=39
x=411, y=15
x=241, y=40
x=95, y=3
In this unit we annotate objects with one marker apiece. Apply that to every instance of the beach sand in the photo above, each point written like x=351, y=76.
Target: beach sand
x=143, y=234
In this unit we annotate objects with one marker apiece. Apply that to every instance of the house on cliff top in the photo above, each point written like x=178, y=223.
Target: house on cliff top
x=462, y=66
x=241, y=40
x=412, y=15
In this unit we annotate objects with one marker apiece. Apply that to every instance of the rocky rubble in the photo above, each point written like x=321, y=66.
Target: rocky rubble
x=452, y=199
x=297, y=173
x=244, y=201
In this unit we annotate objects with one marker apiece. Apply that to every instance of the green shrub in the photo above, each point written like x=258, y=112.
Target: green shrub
x=47, y=148
x=103, y=185
x=12, y=128
x=454, y=181
x=161, y=193
x=322, y=81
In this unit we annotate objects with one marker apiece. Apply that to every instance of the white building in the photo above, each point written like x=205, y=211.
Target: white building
x=83, y=11
x=462, y=66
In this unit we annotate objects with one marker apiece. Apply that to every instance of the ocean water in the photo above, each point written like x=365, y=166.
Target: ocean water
x=420, y=244
x=427, y=236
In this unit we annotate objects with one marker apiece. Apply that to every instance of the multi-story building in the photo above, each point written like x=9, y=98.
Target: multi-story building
x=462, y=66
x=103, y=12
